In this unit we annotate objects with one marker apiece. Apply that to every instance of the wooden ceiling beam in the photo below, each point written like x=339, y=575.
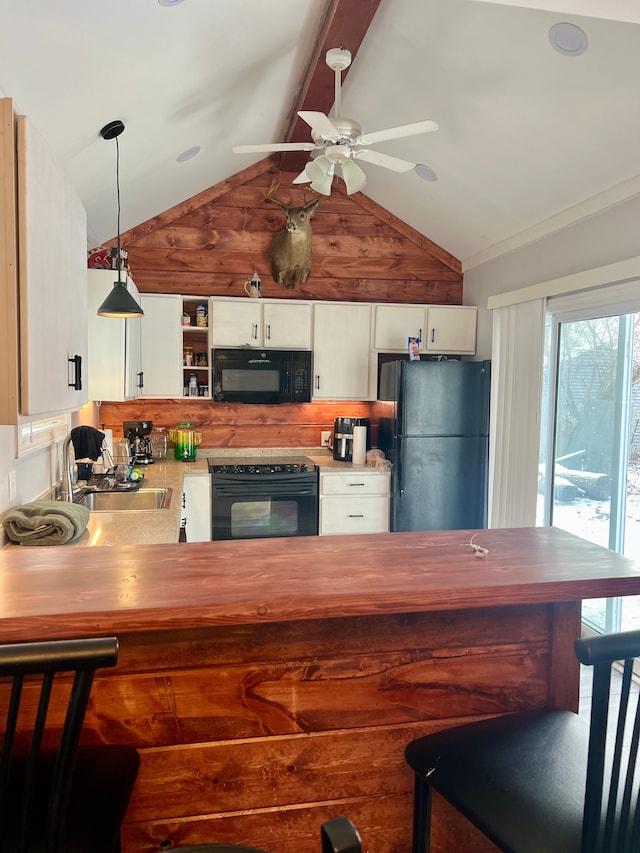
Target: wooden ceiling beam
x=345, y=25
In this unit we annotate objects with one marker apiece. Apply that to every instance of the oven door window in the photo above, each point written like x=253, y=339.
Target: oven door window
x=263, y=518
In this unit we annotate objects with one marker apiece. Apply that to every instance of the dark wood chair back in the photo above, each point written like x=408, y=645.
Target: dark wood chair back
x=38, y=807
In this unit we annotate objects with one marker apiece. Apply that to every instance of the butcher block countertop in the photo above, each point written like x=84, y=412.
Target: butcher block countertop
x=60, y=592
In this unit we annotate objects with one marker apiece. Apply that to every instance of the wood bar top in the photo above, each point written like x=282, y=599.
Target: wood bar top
x=48, y=592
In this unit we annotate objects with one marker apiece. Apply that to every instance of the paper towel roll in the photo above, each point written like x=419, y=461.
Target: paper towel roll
x=359, y=452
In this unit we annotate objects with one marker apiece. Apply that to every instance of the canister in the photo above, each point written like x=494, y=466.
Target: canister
x=201, y=315
x=184, y=449
x=187, y=356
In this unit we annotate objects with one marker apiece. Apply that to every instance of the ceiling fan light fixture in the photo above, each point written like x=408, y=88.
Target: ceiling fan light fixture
x=322, y=184
x=353, y=176
x=319, y=168
x=119, y=303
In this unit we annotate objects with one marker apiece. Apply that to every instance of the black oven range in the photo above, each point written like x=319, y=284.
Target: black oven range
x=263, y=497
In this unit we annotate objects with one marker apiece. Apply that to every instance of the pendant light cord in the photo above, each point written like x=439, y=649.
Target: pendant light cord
x=118, y=205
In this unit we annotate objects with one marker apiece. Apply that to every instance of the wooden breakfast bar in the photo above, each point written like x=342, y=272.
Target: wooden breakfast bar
x=270, y=685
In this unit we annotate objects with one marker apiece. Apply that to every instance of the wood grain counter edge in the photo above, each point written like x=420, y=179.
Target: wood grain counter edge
x=47, y=593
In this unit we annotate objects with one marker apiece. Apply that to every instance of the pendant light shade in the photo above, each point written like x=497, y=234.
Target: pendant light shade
x=119, y=303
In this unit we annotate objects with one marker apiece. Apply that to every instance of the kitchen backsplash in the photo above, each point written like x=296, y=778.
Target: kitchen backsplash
x=237, y=425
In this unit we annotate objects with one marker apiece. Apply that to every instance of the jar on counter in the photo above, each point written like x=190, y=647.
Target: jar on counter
x=159, y=442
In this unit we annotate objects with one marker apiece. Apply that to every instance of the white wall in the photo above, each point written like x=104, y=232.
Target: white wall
x=601, y=239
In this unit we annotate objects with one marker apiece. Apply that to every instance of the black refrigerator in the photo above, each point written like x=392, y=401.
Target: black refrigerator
x=434, y=428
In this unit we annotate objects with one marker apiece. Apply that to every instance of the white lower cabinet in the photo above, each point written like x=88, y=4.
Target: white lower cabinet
x=354, y=501
x=196, y=507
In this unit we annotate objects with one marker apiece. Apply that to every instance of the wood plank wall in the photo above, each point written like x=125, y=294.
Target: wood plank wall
x=210, y=245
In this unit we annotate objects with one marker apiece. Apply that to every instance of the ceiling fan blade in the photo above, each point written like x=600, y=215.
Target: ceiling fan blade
x=354, y=178
x=396, y=132
x=302, y=178
x=385, y=160
x=275, y=146
x=319, y=123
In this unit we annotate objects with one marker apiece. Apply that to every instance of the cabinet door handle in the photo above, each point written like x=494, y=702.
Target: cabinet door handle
x=433, y=335
x=255, y=331
x=269, y=331
x=141, y=379
x=419, y=334
x=76, y=361
x=317, y=381
x=355, y=515
x=356, y=484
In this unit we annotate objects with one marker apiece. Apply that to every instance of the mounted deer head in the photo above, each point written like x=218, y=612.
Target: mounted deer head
x=290, y=250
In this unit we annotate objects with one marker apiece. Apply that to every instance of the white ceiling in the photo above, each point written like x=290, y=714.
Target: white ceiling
x=529, y=141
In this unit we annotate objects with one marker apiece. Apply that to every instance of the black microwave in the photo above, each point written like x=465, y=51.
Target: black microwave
x=261, y=376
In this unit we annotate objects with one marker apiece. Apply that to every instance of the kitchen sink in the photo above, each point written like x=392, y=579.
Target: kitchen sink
x=142, y=499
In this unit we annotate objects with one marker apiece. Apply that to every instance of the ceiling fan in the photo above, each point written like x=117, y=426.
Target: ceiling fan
x=341, y=141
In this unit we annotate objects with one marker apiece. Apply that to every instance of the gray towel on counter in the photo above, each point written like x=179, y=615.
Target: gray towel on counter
x=46, y=523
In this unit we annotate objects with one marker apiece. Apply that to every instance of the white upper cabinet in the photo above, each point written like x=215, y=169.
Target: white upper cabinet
x=115, y=349
x=52, y=274
x=395, y=324
x=161, y=345
x=447, y=329
x=286, y=324
x=341, y=346
x=451, y=329
x=269, y=324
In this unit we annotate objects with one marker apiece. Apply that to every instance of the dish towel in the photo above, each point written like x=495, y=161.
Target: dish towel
x=46, y=523
x=87, y=442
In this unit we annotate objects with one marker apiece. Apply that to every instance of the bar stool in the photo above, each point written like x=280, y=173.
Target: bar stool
x=56, y=795
x=544, y=781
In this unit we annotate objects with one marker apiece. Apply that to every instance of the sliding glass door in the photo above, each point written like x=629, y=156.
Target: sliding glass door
x=590, y=461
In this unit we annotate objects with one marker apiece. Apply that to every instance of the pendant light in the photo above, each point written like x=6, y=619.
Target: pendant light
x=119, y=303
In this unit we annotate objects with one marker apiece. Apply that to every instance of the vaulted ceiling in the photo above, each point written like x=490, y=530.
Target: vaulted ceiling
x=529, y=139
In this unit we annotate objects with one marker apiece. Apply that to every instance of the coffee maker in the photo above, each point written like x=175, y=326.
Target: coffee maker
x=343, y=437
x=137, y=432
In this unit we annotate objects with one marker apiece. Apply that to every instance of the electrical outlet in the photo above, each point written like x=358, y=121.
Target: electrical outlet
x=13, y=490
x=325, y=437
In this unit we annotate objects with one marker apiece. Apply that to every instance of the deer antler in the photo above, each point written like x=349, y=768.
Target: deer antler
x=272, y=195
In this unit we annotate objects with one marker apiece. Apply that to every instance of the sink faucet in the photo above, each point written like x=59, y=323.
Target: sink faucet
x=68, y=469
